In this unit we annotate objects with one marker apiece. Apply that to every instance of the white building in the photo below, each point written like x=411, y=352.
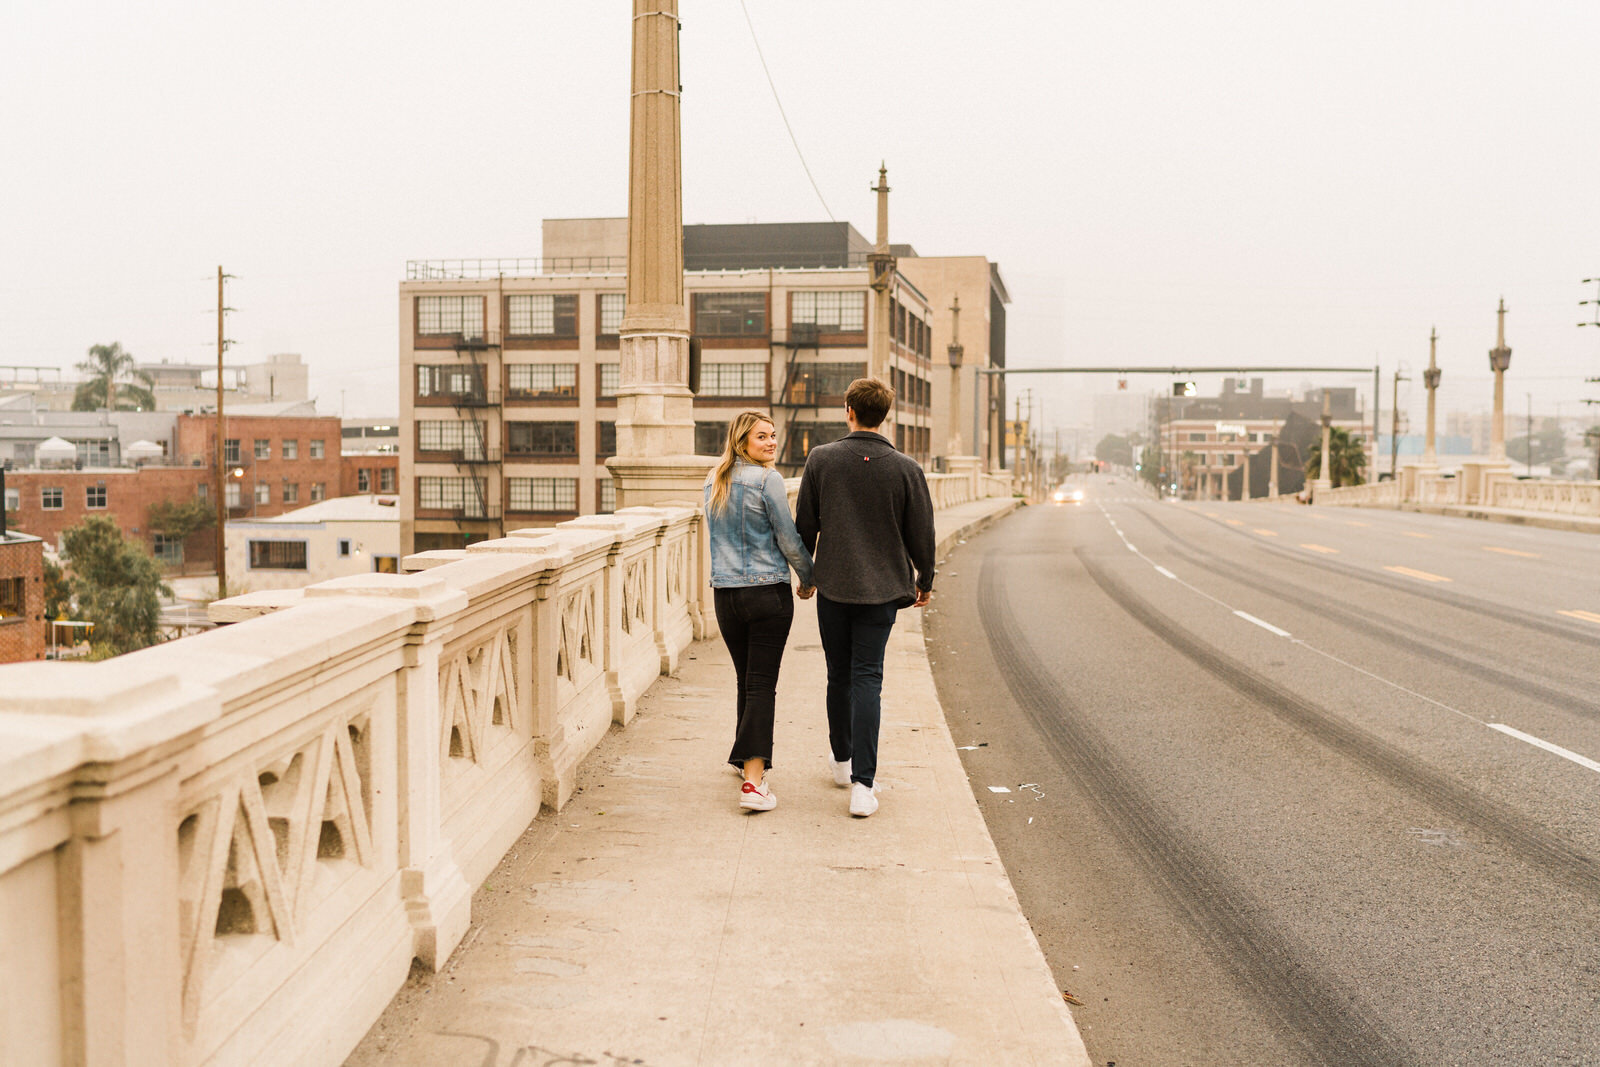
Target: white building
x=338, y=537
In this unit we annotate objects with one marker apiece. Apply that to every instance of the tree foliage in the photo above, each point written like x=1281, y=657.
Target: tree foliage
x=1115, y=450
x=1347, y=458
x=116, y=585
x=57, y=592
x=111, y=369
x=1549, y=444
x=180, y=518
x=1150, y=465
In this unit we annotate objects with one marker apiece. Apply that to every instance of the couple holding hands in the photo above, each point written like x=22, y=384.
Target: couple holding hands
x=861, y=541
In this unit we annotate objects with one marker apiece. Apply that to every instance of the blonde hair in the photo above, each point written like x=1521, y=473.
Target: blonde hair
x=736, y=448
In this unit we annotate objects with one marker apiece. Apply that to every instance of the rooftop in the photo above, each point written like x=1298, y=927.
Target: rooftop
x=365, y=508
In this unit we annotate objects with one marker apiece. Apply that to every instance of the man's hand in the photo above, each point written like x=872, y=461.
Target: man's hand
x=804, y=591
x=923, y=596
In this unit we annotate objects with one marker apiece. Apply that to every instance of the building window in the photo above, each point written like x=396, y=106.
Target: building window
x=230, y=493
x=450, y=315
x=203, y=491
x=52, y=498
x=458, y=380
x=709, y=437
x=610, y=378
x=94, y=453
x=13, y=499
x=230, y=451
x=386, y=479
x=450, y=494
x=319, y=491
x=1227, y=459
x=838, y=312
x=13, y=597
x=611, y=308
x=451, y=435
x=542, y=379
x=541, y=439
x=1197, y=437
x=733, y=379
x=291, y=492
x=606, y=495
x=291, y=448
x=825, y=383
x=277, y=555
x=605, y=445
x=363, y=480
x=801, y=437
x=263, y=493
x=263, y=448
x=730, y=314
x=316, y=448
x=168, y=550
x=344, y=547
x=558, y=495
x=94, y=496
x=543, y=314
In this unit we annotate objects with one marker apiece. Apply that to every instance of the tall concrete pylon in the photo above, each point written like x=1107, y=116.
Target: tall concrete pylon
x=1430, y=378
x=1499, y=361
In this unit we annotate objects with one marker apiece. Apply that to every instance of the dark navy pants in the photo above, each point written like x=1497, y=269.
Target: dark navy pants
x=854, y=637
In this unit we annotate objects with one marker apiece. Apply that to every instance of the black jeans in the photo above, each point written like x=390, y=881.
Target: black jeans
x=755, y=621
x=854, y=637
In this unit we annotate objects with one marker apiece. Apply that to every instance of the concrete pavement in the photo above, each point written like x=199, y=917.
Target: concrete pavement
x=654, y=922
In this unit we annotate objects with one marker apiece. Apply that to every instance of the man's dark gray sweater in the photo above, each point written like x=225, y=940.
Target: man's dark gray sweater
x=871, y=505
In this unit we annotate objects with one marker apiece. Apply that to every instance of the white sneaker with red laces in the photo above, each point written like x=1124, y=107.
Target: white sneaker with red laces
x=757, y=797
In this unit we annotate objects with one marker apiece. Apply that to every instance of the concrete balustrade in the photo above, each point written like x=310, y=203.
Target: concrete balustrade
x=230, y=848
x=1481, y=485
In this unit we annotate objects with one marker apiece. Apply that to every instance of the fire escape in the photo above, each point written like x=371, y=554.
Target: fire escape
x=474, y=459
x=799, y=389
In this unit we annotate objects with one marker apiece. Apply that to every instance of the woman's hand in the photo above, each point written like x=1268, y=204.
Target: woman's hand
x=804, y=591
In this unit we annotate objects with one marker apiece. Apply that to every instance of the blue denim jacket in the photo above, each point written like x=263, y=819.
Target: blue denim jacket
x=753, y=538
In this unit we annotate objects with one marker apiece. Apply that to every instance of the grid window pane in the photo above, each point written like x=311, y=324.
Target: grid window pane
x=230, y=450
x=386, y=480
x=542, y=494
x=733, y=379
x=263, y=493
x=263, y=448
x=843, y=312
x=611, y=308
x=454, y=380
x=52, y=498
x=542, y=379
x=230, y=494
x=277, y=555
x=364, y=480
x=730, y=314
x=451, y=435
x=610, y=378
x=316, y=448
x=94, y=496
x=451, y=493
x=448, y=315
x=817, y=383
x=605, y=440
x=291, y=448
x=543, y=314
x=607, y=496
x=319, y=491
x=168, y=550
x=291, y=492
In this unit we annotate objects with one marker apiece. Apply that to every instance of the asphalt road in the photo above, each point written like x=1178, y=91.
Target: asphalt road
x=1290, y=784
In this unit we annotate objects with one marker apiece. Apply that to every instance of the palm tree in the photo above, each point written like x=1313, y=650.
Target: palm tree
x=105, y=365
x=1346, y=458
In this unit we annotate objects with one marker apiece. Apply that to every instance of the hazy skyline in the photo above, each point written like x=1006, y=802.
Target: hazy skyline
x=1160, y=183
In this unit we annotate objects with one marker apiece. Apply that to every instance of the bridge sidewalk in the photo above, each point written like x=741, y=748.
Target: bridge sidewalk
x=653, y=922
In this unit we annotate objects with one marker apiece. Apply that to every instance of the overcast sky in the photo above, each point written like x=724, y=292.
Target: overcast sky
x=1260, y=182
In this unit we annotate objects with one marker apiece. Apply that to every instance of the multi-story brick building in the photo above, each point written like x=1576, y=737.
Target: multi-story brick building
x=369, y=472
x=274, y=463
x=509, y=368
x=48, y=503
x=22, y=621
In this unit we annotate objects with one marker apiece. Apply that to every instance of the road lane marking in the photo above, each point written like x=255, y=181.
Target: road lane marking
x=1586, y=616
x=1420, y=575
x=1266, y=533
x=1539, y=742
x=1234, y=522
x=1353, y=522
x=1322, y=548
x=1413, y=533
x=1169, y=574
x=1247, y=617
x=1209, y=514
x=1512, y=552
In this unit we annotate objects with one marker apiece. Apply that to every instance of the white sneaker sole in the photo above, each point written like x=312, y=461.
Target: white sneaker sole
x=756, y=802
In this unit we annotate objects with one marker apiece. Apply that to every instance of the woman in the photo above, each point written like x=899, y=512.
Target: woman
x=753, y=545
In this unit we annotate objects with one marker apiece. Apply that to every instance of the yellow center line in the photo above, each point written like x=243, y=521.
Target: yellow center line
x=1322, y=548
x=1266, y=533
x=1353, y=522
x=1234, y=522
x=1413, y=533
x=1512, y=552
x=1586, y=616
x=1422, y=575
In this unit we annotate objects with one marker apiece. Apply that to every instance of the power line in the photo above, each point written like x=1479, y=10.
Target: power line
x=773, y=85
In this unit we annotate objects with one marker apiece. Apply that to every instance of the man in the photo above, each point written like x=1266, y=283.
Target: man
x=871, y=506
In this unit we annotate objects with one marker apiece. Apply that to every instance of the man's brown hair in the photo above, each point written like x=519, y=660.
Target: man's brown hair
x=870, y=399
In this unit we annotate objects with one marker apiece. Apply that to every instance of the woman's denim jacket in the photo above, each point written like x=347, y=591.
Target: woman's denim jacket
x=753, y=539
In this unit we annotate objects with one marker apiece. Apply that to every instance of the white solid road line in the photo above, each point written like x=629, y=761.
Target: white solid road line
x=1539, y=742
x=1247, y=617
x=1169, y=574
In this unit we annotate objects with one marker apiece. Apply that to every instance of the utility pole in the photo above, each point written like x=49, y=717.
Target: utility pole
x=1530, y=435
x=1394, y=431
x=219, y=481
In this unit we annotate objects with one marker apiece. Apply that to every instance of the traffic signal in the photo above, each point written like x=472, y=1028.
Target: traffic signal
x=1184, y=389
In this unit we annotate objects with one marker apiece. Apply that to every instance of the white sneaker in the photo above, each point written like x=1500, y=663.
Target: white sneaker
x=757, y=797
x=862, y=801
x=841, y=771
